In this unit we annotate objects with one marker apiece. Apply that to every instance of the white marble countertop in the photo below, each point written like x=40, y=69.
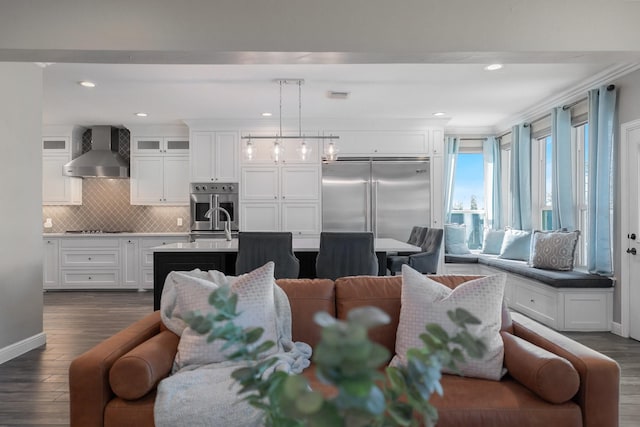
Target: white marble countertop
x=103, y=235
x=299, y=245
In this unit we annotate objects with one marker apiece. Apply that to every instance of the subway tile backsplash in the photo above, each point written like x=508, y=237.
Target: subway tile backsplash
x=105, y=206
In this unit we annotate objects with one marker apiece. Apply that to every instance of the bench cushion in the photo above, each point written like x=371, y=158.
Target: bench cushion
x=557, y=279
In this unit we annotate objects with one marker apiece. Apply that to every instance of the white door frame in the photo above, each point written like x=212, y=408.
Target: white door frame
x=625, y=219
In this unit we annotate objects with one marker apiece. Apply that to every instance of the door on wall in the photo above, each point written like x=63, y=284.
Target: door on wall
x=630, y=249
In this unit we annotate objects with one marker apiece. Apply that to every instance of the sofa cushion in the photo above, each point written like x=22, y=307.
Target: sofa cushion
x=455, y=239
x=307, y=297
x=184, y=293
x=474, y=402
x=140, y=370
x=425, y=301
x=553, y=250
x=516, y=245
x=548, y=375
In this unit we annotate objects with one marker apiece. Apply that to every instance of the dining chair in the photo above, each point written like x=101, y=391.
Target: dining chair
x=425, y=261
x=257, y=248
x=346, y=254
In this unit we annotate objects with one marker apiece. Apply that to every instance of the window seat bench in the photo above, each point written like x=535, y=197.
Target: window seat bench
x=564, y=300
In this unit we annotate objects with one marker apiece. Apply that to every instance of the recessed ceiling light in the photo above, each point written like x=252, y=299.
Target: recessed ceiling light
x=141, y=114
x=493, y=67
x=86, y=83
x=267, y=114
x=439, y=114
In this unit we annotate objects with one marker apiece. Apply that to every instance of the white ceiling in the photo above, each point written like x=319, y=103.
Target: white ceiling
x=470, y=96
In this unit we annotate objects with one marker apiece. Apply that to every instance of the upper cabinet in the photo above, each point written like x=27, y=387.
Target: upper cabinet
x=60, y=144
x=214, y=157
x=381, y=143
x=159, y=169
x=159, y=144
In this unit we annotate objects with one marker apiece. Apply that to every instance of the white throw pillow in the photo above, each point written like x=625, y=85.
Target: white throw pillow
x=189, y=291
x=425, y=301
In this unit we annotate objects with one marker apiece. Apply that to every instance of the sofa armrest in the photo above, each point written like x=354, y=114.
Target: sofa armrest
x=598, y=395
x=89, y=390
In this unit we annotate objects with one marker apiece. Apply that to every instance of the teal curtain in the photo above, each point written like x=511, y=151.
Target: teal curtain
x=562, y=197
x=452, y=145
x=521, y=177
x=491, y=154
x=602, y=103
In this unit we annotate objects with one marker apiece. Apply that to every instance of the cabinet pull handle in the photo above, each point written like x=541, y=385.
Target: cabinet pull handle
x=89, y=258
x=89, y=277
x=532, y=300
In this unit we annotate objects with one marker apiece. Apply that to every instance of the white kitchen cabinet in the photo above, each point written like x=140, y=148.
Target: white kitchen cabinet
x=146, y=256
x=101, y=262
x=160, y=180
x=159, y=144
x=130, y=248
x=214, y=157
x=280, y=198
x=50, y=273
x=381, y=143
x=58, y=189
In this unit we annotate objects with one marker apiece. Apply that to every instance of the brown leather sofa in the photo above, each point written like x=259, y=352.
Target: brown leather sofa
x=114, y=383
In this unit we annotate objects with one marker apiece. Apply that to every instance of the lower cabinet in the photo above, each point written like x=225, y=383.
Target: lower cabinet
x=101, y=262
x=300, y=218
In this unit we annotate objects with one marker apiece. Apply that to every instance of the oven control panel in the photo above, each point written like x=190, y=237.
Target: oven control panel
x=214, y=188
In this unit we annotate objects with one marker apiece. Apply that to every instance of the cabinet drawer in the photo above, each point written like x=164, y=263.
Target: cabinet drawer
x=90, y=258
x=89, y=242
x=588, y=311
x=90, y=279
x=147, y=278
x=536, y=303
x=151, y=242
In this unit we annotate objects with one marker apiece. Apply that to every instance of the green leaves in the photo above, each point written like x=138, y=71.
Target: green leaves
x=348, y=360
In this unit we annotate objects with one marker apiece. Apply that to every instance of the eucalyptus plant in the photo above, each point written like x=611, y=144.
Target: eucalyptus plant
x=346, y=359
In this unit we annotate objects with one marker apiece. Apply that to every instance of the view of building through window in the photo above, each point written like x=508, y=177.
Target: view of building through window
x=468, y=197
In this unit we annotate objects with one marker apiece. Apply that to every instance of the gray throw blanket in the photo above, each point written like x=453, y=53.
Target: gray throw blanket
x=207, y=395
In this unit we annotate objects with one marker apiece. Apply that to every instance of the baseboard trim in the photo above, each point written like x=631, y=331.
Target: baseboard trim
x=21, y=347
x=616, y=328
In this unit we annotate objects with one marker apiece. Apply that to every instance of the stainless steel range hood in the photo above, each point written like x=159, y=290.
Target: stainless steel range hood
x=103, y=160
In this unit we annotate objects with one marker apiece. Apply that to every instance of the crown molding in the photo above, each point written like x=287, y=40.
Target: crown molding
x=571, y=95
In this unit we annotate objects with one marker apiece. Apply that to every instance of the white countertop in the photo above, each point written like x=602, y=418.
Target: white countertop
x=299, y=245
x=103, y=235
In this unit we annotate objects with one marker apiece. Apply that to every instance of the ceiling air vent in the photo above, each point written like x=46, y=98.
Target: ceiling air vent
x=333, y=94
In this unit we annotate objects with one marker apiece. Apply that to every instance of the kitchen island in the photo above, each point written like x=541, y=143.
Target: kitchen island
x=219, y=254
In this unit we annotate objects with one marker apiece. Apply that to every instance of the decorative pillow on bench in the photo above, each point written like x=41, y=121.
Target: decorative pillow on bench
x=455, y=237
x=553, y=250
x=492, y=242
x=516, y=245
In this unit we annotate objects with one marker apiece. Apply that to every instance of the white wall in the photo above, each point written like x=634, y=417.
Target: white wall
x=20, y=209
x=628, y=110
x=447, y=30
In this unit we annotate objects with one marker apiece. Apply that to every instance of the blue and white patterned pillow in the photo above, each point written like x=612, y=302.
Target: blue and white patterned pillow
x=554, y=250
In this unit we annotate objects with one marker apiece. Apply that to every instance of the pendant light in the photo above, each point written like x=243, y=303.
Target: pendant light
x=304, y=149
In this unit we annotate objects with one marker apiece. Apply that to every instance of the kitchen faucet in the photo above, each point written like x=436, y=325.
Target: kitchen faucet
x=227, y=223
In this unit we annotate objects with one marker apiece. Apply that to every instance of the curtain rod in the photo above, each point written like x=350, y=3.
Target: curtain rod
x=564, y=107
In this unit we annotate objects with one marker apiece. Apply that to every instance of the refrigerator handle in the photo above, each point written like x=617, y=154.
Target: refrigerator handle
x=367, y=206
x=374, y=216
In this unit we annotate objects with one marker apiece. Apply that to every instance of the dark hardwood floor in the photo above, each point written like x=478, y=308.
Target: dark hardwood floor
x=34, y=387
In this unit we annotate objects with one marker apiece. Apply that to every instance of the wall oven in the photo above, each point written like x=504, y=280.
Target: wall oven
x=205, y=196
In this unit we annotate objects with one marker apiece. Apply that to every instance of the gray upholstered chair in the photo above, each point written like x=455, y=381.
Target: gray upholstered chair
x=346, y=254
x=257, y=248
x=426, y=261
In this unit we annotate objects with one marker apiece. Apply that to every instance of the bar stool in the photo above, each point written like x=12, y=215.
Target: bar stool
x=346, y=254
x=257, y=248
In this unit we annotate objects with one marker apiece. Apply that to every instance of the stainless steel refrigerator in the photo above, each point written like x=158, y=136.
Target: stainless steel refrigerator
x=385, y=196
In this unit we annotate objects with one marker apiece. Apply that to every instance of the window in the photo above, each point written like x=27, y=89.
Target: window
x=546, y=201
x=580, y=138
x=468, y=196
